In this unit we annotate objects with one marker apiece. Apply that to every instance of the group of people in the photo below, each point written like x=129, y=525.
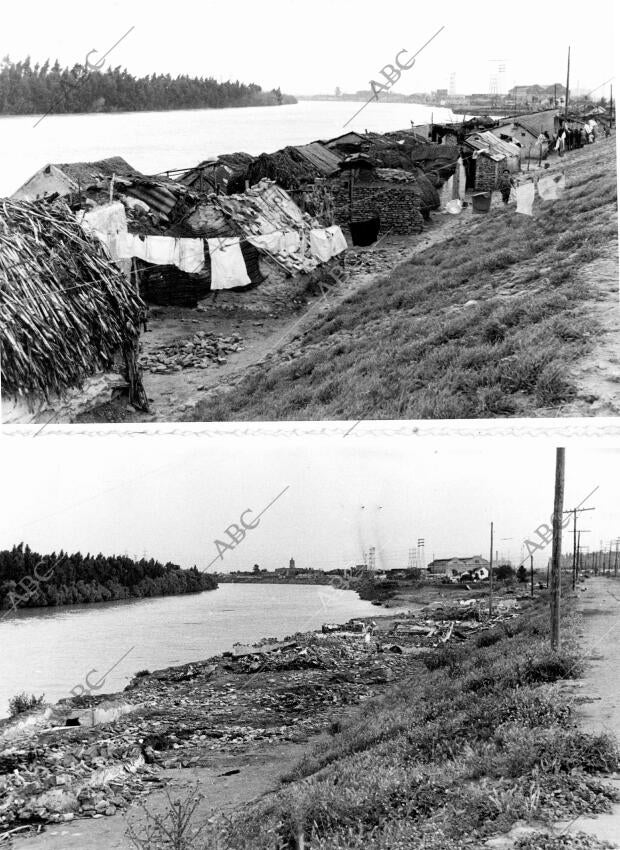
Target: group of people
x=571, y=136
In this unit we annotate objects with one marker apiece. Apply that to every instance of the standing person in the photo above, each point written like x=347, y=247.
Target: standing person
x=562, y=141
x=506, y=184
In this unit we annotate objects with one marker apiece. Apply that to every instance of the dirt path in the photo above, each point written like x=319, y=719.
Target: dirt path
x=599, y=690
x=174, y=395
x=259, y=772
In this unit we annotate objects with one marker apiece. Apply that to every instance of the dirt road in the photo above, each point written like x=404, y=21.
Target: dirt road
x=599, y=690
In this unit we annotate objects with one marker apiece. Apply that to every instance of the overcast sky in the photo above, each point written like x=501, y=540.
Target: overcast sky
x=172, y=497
x=313, y=47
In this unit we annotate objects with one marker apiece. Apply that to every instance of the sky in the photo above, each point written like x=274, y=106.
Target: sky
x=171, y=497
x=315, y=47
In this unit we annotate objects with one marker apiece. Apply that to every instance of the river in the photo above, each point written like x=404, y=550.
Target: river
x=158, y=141
x=53, y=650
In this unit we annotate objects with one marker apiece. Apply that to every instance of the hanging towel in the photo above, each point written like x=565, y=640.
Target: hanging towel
x=327, y=242
x=525, y=198
x=160, y=250
x=447, y=193
x=109, y=224
x=190, y=255
x=560, y=184
x=320, y=244
x=462, y=180
x=291, y=241
x=227, y=264
x=271, y=242
x=547, y=188
x=338, y=242
x=132, y=246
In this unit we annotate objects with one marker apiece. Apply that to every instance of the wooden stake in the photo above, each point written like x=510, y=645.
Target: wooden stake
x=531, y=575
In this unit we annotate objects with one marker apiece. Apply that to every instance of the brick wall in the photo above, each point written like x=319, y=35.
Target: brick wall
x=488, y=171
x=398, y=206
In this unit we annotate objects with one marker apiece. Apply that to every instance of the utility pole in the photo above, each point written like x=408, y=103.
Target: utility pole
x=556, y=552
x=616, y=558
x=574, y=547
x=491, y=575
x=531, y=575
x=567, y=84
x=574, y=512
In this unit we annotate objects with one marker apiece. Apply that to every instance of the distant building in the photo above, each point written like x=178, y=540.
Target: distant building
x=537, y=94
x=455, y=566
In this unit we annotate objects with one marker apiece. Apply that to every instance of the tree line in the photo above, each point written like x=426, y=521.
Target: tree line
x=28, y=579
x=27, y=89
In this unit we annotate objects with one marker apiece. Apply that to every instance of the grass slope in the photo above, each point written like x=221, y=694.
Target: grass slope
x=410, y=346
x=480, y=736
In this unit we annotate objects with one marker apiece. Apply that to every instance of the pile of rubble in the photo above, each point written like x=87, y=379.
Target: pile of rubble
x=196, y=353
x=64, y=774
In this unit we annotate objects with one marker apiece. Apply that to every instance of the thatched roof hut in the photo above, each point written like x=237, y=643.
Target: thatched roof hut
x=66, y=178
x=293, y=166
x=67, y=311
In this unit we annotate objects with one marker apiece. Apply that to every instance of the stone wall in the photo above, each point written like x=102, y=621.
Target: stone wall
x=487, y=173
x=398, y=206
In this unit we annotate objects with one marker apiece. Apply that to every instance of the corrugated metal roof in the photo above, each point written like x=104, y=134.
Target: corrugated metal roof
x=324, y=160
x=493, y=147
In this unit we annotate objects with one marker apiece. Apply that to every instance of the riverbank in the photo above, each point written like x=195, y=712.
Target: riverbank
x=483, y=316
x=446, y=690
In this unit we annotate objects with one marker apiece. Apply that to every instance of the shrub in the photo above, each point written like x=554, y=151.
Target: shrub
x=21, y=703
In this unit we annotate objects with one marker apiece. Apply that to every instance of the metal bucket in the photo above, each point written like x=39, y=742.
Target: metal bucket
x=481, y=202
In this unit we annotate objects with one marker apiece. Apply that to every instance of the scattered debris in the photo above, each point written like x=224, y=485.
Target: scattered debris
x=197, y=353
x=188, y=716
